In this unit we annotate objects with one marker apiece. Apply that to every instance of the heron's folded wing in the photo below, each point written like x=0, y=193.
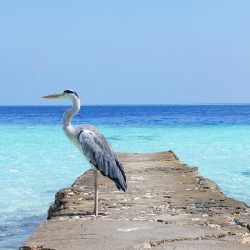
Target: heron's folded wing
x=99, y=153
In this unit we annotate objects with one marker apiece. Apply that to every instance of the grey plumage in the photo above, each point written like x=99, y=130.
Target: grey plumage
x=99, y=153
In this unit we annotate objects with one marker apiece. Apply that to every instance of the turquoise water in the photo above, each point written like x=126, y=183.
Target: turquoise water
x=36, y=159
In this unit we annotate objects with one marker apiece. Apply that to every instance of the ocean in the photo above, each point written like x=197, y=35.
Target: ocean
x=36, y=159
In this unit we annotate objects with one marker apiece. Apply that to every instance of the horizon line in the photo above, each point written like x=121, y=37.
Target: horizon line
x=148, y=104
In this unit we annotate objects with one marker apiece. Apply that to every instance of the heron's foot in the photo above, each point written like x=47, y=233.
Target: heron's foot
x=100, y=215
x=96, y=213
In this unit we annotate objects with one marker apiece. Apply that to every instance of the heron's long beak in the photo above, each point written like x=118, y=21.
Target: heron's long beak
x=52, y=96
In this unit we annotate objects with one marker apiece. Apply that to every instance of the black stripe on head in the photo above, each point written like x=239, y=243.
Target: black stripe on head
x=76, y=94
x=68, y=91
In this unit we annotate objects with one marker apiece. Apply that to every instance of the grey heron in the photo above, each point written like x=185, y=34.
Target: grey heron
x=92, y=144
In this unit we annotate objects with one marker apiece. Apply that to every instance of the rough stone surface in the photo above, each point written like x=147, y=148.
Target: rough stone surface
x=168, y=205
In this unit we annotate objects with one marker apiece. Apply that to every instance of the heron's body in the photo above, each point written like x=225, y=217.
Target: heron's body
x=93, y=145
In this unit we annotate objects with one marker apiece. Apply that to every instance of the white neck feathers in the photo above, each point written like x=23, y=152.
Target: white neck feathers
x=71, y=112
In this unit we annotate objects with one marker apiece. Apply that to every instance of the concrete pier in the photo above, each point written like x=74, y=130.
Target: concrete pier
x=168, y=205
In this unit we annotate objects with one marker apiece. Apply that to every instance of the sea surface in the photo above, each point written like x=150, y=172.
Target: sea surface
x=36, y=158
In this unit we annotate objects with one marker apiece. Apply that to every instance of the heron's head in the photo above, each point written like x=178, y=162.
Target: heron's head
x=66, y=94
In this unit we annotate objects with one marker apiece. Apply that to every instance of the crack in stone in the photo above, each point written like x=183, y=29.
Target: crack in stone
x=205, y=237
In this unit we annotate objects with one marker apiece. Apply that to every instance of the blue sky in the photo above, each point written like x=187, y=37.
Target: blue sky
x=125, y=52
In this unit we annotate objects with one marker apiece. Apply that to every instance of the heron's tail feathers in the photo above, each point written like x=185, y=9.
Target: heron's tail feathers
x=113, y=169
x=122, y=183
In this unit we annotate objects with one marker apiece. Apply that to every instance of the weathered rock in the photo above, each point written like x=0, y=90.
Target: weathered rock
x=168, y=205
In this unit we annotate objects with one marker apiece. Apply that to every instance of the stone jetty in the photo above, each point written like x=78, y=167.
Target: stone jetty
x=168, y=205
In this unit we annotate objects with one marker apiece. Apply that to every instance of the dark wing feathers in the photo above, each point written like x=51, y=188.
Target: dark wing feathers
x=98, y=151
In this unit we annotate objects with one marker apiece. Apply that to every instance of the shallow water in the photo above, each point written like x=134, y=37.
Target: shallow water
x=36, y=159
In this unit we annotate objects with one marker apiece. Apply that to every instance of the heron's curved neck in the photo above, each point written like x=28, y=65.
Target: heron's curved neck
x=69, y=113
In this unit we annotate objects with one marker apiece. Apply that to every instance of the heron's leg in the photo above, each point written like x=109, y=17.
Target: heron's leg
x=96, y=192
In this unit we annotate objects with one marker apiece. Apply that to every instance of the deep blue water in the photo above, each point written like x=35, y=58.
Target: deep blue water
x=36, y=159
x=193, y=115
